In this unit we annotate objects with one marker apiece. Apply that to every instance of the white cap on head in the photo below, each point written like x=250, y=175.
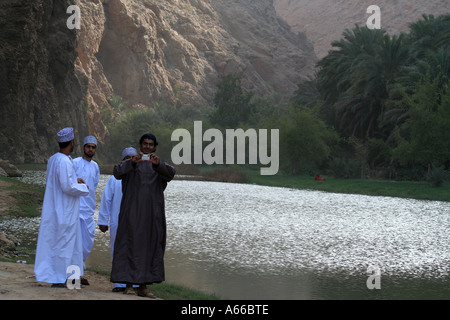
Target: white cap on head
x=128, y=152
x=65, y=135
x=90, y=139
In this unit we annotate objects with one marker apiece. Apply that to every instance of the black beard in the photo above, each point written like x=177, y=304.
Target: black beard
x=87, y=155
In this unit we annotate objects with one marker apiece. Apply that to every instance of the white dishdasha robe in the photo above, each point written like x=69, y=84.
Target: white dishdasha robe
x=59, y=240
x=90, y=173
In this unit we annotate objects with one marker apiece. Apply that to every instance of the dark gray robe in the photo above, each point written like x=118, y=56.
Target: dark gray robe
x=141, y=234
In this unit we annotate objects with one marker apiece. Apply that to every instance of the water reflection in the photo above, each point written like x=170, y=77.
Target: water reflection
x=279, y=230
x=255, y=242
x=288, y=244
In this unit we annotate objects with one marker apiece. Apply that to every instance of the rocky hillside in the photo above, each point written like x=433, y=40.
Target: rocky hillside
x=174, y=52
x=40, y=91
x=323, y=21
x=145, y=51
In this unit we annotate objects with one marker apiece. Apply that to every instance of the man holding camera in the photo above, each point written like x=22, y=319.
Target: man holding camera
x=108, y=214
x=141, y=235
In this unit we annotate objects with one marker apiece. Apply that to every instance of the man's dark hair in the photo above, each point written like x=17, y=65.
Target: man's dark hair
x=148, y=136
x=62, y=145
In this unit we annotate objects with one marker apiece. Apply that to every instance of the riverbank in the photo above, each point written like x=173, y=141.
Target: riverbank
x=420, y=190
x=17, y=281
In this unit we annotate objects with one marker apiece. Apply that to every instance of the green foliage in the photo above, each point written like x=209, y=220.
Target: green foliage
x=345, y=168
x=378, y=153
x=304, y=139
x=403, y=189
x=425, y=136
x=307, y=94
x=27, y=198
x=168, y=291
x=437, y=176
x=232, y=104
x=390, y=92
x=430, y=34
x=354, y=79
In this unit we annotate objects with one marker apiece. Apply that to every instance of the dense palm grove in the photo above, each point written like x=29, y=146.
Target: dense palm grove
x=378, y=106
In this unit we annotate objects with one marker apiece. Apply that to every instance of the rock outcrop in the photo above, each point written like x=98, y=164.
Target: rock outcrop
x=9, y=169
x=174, y=52
x=7, y=244
x=323, y=21
x=40, y=91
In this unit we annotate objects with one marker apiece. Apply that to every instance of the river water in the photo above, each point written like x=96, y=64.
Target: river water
x=242, y=241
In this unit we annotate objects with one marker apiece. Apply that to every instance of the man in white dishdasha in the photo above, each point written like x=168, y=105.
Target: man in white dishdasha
x=87, y=169
x=59, y=240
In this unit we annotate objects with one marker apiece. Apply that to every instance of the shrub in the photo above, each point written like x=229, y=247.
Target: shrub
x=436, y=176
x=226, y=175
x=345, y=168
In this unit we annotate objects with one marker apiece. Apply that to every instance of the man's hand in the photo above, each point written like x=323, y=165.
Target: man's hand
x=80, y=180
x=137, y=157
x=154, y=159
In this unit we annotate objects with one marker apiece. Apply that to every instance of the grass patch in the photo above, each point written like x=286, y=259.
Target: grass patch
x=20, y=253
x=169, y=291
x=28, y=198
x=403, y=189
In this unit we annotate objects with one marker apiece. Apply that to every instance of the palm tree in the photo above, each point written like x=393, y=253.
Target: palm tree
x=334, y=75
x=355, y=78
x=429, y=51
x=430, y=34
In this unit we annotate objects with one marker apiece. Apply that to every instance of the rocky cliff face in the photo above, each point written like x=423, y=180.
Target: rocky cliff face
x=146, y=51
x=323, y=21
x=40, y=91
x=174, y=52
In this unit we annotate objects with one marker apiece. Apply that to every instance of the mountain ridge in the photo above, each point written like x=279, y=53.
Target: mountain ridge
x=323, y=21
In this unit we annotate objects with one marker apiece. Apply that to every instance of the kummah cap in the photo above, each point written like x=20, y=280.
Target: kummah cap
x=128, y=152
x=65, y=135
x=90, y=139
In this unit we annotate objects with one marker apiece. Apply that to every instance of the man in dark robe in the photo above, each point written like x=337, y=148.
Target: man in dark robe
x=141, y=235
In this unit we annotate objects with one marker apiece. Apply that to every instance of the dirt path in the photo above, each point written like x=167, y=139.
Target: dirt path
x=17, y=282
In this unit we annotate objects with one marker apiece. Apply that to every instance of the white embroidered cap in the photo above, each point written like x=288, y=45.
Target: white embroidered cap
x=65, y=134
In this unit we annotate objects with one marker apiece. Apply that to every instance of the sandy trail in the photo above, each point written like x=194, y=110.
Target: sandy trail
x=17, y=282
